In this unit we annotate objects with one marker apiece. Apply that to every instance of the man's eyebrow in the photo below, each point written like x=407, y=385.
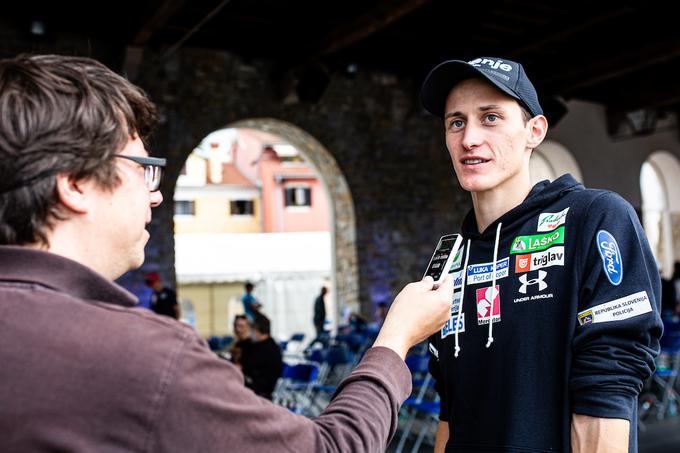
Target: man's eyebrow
x=483, y=108
x=486, y=108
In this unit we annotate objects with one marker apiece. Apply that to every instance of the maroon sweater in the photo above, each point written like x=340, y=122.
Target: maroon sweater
x=81, y=369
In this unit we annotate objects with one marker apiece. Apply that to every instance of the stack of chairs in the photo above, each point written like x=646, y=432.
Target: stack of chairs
x=295, y=386
x=661, y=398
x=219, y=344
x=420, y=412
x=311, y=376
x=336, y=363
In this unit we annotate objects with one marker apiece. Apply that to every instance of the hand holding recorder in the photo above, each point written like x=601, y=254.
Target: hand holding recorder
x=423, y=307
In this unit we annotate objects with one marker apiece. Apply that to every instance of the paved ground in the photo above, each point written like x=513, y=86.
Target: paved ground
x=659, y=437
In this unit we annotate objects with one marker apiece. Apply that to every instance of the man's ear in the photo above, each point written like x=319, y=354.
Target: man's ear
x=537, y=128
x=73, y=194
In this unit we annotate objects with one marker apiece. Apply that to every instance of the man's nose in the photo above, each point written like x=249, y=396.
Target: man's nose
x=156, y=198
x=472, y=136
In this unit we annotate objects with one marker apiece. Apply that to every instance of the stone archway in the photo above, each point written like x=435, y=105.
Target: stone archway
x=661, y=207
x=345, y=268
x=551, y=160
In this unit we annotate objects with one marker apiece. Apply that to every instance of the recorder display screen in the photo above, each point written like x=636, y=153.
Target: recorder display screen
x=439, y=258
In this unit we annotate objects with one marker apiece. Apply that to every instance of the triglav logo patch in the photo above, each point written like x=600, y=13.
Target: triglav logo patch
x=611, y=257
x=554, y=256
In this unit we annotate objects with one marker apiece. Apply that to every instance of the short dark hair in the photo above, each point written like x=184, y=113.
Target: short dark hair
x=261, y=324
x=240, y=318
x=60, y=114
x=249, y=286
x=526, y=116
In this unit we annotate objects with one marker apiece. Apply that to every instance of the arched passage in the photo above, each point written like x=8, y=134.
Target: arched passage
x=661, y=207
x=344, y=273
x=550, y=161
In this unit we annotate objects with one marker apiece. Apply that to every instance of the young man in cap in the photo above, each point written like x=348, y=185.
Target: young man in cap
x=81, y=368
x=555, y=321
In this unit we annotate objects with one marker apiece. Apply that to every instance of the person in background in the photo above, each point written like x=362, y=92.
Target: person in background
x=320, y=312
x=163, y=299
x=242, y=334
x=380, y=314
x=668, y=297
x=250, y=304
x=261, y=361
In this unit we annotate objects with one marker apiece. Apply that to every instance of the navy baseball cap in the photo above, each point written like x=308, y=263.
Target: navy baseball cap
x=508, y=76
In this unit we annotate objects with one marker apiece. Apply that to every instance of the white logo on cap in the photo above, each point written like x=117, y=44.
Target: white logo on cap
x=494, y=64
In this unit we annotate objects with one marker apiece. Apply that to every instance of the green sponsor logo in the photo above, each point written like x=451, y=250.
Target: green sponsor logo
x=534, y=243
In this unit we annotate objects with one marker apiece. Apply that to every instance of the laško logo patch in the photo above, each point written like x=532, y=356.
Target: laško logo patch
x=484, y=298
x=537, y=242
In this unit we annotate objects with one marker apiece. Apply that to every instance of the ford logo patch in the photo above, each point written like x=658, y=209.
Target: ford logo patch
x=611, y=256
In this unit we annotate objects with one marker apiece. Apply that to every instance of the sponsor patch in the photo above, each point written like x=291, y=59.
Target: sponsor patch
x=554, y=256
x=484, y=305
x=548, y=221
x=457, y=279
x=611, y=257
x=481, y=273
x=450, y=326
x=455, y=304
x=617, y=310
x=585, y=317
x=537, y=242
x=457, y=260
x=526, y=282
x=433, y=350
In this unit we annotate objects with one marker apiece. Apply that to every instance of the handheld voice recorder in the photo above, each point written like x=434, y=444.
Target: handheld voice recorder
x=443, y=257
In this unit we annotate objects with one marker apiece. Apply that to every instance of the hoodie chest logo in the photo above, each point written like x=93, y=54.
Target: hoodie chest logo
x=486, y=297
x=481, y=273
x=524, y=280
x=554, y=256
x=537, y=242
x=548, y=221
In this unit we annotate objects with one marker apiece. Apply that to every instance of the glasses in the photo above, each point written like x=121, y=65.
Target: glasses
x=153, y=169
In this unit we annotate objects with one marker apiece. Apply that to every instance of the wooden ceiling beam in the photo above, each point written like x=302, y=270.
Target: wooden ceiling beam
x=368, y=24
x=551, y=37
x=623, y=63
x=162, y=12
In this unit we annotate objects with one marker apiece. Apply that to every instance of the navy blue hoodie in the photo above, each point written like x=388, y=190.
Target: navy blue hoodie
x=575, y=327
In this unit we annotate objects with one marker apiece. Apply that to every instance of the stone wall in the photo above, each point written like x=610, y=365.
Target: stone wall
x=390, y=153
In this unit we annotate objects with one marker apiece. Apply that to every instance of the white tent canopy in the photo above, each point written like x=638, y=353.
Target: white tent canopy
x=213, y=258
x=288, y=269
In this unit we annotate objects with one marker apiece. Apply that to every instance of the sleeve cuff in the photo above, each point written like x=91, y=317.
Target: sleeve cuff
x=605, y=405
x=388, y=367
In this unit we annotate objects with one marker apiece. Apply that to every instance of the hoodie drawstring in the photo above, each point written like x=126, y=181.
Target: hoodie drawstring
x=462, y=296
x=493, y=285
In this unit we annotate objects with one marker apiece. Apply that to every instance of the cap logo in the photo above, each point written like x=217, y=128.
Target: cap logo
x=493, y=64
